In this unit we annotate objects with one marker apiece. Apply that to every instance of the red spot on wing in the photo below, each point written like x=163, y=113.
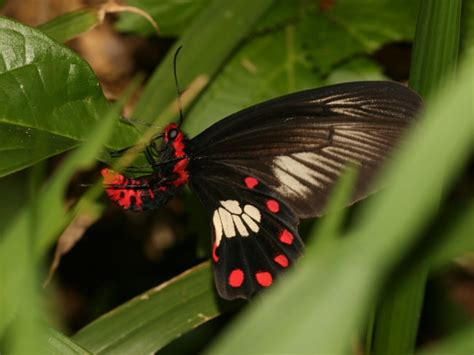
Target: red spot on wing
x=236, y=278
x=287, y=237
x=273, y=206
x=215, y=257
x=282, y=260
x=251, y=182
x=264, y=278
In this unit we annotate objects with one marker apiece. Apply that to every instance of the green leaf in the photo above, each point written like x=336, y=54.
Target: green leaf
x=336, y=290
x=467, y=27
x=435, y=57
x=172, y=16
x=153, y=319
x=435, y=54
x=59, y=344
x=205, y=49
x=49, y=98
x=71, y=24
x=267, y=67
x=352, y=27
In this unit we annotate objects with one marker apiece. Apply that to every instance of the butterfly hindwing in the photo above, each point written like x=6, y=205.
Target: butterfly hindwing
x=255, y=234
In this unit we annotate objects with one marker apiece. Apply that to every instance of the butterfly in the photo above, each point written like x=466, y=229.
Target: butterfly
x=259, y=171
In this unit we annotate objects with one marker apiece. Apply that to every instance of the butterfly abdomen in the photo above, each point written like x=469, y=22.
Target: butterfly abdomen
x=136, y=195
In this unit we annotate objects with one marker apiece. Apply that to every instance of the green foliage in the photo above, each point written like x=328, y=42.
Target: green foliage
x=49, y=98
x=249, y=51
x=434, y=60
x=137, y=327
x=71, y=24
x=172, y=16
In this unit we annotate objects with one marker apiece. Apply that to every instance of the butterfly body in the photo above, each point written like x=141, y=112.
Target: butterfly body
x=259, y=171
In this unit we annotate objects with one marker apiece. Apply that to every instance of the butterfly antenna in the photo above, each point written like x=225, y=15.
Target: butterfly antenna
x=177, y=85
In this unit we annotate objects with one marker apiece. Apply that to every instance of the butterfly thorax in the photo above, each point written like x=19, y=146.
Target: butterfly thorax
x=153, y=190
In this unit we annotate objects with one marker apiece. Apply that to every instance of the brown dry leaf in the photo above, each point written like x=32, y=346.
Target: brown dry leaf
x=113, y=7
x=71, y=235
x=34, y=12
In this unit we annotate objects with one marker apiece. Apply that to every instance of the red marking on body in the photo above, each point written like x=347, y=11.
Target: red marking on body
x=178, y=141
x=236, y=278
x=287, y=237
x=114, y=181
x=273, y=206
x=264, y=278
x=181, y=169
x=282, y=260
x=251, y=182
x=215, y=257
x=179, y=146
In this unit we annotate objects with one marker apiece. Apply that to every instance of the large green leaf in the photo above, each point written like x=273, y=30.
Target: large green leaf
x=49, y=98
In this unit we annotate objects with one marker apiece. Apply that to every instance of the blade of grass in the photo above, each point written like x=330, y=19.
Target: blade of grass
x=205, y=49
x=436, y=46
x=72, y=24
x=434, y=60
x=322, y=305
x=153, y=319
x=59, y=344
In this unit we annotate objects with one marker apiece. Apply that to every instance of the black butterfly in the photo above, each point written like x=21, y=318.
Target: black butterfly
x=258, y=171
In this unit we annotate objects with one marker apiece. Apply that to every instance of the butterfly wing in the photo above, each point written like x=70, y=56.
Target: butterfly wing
x=298, y=145
x=255, y=234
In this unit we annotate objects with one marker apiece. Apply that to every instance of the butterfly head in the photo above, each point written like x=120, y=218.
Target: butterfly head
x=175, y=138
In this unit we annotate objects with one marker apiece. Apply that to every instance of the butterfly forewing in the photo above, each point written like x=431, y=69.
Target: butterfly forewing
x=300, y=144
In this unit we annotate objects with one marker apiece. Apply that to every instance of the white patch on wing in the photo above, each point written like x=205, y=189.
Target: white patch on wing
x=217, y=223
x=240, y=226
x=231, y=220
x=300, y=173
x=252, y=225
x=227, y=223
x=253, y=212
x=232, y=206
